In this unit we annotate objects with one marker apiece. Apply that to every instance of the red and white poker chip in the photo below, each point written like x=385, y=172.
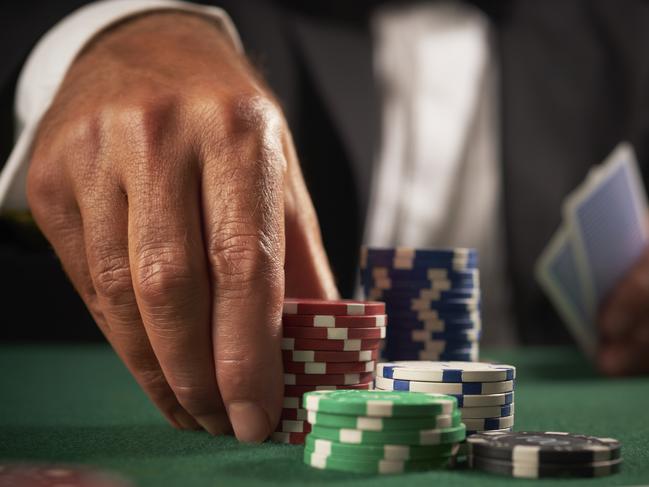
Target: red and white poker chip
x=289, y=438
x=294, y=414
x=332, y=321
x=293, y=394
x=293, y=426
x=330, y=355
x=326, y=380
x=333, y=333
x=342, y=307
x=331, y=345
x=323, y=368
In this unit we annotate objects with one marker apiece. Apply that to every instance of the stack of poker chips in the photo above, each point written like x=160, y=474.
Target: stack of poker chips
x=485, y=392
x=432, y=298
x=540, y=454
x=326, y=345
x=381, y=432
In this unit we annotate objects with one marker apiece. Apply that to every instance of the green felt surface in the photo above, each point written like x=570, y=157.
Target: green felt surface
x=78, y=404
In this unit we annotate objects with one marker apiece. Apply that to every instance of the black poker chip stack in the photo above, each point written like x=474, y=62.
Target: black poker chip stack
x=544, y=454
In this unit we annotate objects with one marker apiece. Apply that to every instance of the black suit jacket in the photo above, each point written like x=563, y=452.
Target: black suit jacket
x=574, y=82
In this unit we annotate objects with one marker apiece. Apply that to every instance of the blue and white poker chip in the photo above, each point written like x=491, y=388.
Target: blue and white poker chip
x=414, y=336
x=485, y=424
x=450, y=326
x=483, y=400
x=447, y=371
x=409, y=258
x=451, y=388
x=433, y=295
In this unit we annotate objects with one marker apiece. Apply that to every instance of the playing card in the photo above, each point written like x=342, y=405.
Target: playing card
x=603, y=234
x=606, y=220
x=556, y=272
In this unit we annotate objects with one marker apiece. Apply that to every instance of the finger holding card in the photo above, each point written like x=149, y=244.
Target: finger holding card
x=623, y=323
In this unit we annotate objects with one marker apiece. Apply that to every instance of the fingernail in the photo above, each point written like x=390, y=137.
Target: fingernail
x=616, y=324
x=214, y=424
x=250, y=421
x=184, y=420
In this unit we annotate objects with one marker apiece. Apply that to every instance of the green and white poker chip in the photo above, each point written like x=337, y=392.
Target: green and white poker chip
x=383, y=404
x=367, y=423
x=331, y=462
x=454, y=434
x=380, y=452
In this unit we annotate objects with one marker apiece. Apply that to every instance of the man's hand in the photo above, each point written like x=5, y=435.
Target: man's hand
x=166, y=180
x=624, y=324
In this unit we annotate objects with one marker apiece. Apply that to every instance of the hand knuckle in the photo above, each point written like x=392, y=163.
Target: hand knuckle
x=162, y=274
x=112, y=278
x=241, y=259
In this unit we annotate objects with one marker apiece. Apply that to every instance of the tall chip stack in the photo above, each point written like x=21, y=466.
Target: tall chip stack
x=432, y=297
x=326, y=345
x=380, y=432
x=485, y=392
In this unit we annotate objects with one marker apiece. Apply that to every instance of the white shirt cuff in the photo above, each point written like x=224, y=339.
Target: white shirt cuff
x=48, y=63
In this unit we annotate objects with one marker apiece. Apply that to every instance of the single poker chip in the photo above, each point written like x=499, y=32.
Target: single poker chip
x=470, y=388
x=57, y=475
x=397, y=315
x=415, y=305
x=430, y=274
x=487, y=411
x=438, y=326
x=439, y=347
x=293, y=426
x=381, y=404
x=413, y=437
x=484, y=400
x=545, y=447
x=407, y=258
x=323, y=368
x=370, y=466
x=433, y=339
x=330, y=355
x=395, y=286
x=342, y=307
x=403, y=353
x=534, y=471
x=288, y=438
x=447, y=371
x=473, y=432
x=330, y=379
x=424, y=294
x=485, y=424
x=294, y=414
x=380, y=452
x=299, y=391
x=333, y=333
x=420, y=350
x=367, y=423
x=331, y=345
x=332, y=321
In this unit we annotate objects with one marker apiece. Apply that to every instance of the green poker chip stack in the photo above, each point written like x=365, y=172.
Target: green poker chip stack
x=381, y=432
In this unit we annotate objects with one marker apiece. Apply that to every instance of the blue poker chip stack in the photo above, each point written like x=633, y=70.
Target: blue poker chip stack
x=432, y=299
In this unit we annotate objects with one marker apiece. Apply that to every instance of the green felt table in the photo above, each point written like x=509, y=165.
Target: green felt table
x=78, y=404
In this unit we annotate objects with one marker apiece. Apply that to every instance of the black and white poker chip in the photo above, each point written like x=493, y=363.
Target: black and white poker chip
x=535, y=471
x=540, y=448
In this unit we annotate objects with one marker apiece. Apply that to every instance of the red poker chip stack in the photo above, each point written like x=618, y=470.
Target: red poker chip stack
x=326, y=345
